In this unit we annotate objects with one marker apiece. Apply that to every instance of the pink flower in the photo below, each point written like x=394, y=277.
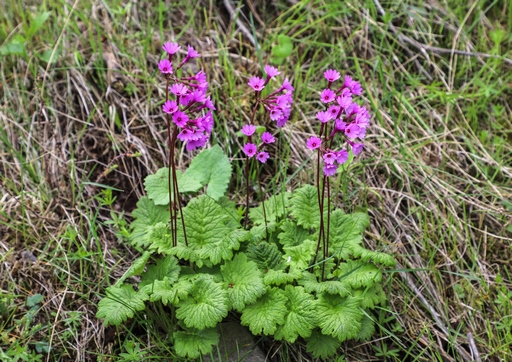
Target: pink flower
x=188, y=134
x=275, y=114
x=256, y=83
x=192, y=52
x=180, y=119
x=324, y=116
x=330, y=170
x=198, y=96
x=248, y=130
x=178, y=89
x=271, y=71
x=354, y=86
x=334, y=110
x=339, y=125
x=165, y=66
x=344, y=101
x=262, y=157
x=193, y=144
x=327, y=96
x=200, y=77
x=209, y=104
x=267, y=138
x=313, y=142
x=353, y=108
x=352, y=131
x=341, y=157
x=329, y=158
x=287, y=85
x=250, y=149
x=171, y=48
x=207, y=122
x=170, y=107
x=284, y=100
x=356, y=148
x=331, y=75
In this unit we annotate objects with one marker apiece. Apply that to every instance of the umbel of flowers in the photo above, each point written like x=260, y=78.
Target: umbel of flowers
x=342, y=116
x=278, y=104
x=188, y=110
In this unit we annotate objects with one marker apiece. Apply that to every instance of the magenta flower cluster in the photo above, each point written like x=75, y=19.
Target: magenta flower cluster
x=343, y=116
x=191, y=109
x=250, y=149
x=279, y=102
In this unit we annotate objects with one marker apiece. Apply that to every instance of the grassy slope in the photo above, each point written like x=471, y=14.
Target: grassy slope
x=435, y=174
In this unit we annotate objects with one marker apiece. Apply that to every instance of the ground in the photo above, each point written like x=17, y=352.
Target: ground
x=81, y=127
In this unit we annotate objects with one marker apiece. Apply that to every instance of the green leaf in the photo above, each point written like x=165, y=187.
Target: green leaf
x=146, y=215
x=120, y=304
x=34, y=300
x=367, y=329
x=299, y=257
x=259, y=232
x=279, y=277
x=137, y=267
x=157, y=186
x=194, y=342
x=160, y=238
x=206, y=305
x=47, y=57
x=167, y=293
x=267, y=313
x=377, y=257
x=164, y=268
x=338, y=316
x=37, y=23
x=301, y=317
x=211, y=234
x=311, y=285
x=285, y=47
x=243, y=280
x=275, y=207
x=322, y=346
x=345, y=233
x=211, y=167
x=15, y=46
x=359, y=274
x=304, y=207
x=266, y=255
x=371, y=296
x=292, y=234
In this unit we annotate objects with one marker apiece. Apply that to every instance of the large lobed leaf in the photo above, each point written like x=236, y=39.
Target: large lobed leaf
x=359, y=274
x=164, y=268
x=345, y=233
x=292, y=234
x=211, y=234
x=157, y=185
x=206, y=304
x=120, y=304
x=146, y=215
x=193, y=343
x=304, y=207
x=339, y=317
x=267, y=313
x=301, y=317
x=322, y=346
x=211, y=167
x=243, y=281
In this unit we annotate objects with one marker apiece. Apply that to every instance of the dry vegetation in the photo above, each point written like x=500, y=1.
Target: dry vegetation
x=435, y=174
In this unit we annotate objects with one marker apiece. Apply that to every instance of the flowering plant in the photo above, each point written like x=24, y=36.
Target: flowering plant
x=285, y=271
